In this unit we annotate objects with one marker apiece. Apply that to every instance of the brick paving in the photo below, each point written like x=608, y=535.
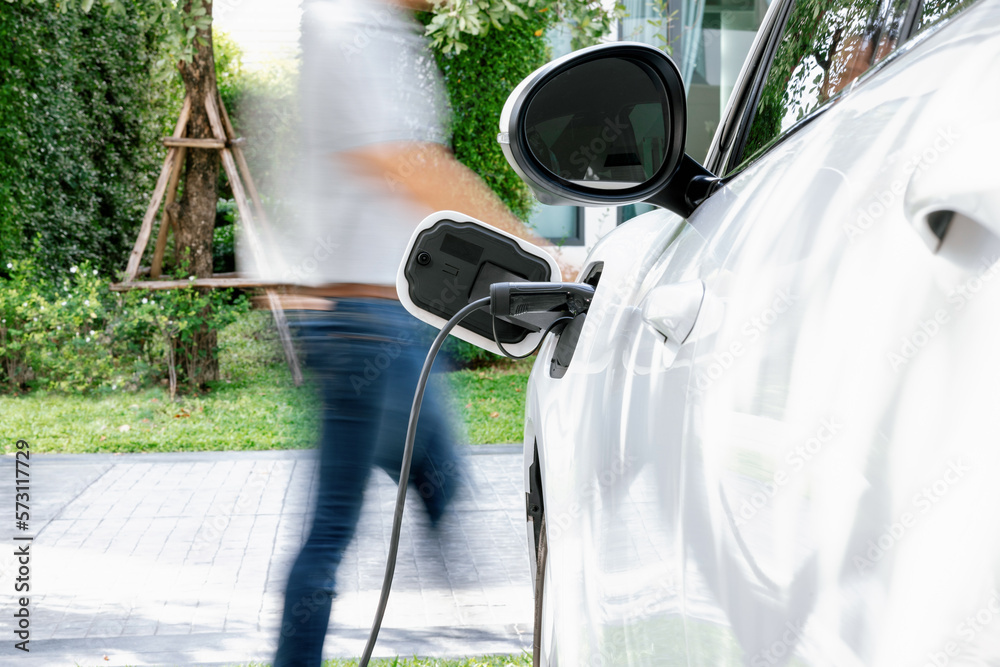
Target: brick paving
x=180, y=559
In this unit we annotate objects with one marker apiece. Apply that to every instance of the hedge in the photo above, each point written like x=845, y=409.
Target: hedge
x=479, y=80
x=80, y=118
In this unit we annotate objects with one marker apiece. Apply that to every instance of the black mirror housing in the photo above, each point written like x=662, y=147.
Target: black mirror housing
x=605, y=126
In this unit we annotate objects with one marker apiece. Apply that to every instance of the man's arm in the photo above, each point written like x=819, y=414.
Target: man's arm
x=429, y=174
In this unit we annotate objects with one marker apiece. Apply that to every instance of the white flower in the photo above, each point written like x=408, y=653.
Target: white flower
x=9, y=265
x=191, y=278
x=64, y=303
x=95, y=272
x=24, y=305
x=87, y=340
x=86, y=302
x=72, y=269
x=145, y=300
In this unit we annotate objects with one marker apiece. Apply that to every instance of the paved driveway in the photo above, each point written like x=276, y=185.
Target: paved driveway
x=181, y=559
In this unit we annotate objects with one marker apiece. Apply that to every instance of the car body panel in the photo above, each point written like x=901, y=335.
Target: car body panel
x=810, y=477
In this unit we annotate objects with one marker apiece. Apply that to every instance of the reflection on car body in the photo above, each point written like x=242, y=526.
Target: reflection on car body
x=775, y=442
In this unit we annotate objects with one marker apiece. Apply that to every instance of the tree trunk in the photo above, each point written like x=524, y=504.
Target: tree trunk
x=196, y=218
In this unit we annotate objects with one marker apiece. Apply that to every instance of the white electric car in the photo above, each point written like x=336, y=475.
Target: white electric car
x=774, y=439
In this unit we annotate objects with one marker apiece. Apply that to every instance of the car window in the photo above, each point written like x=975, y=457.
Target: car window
x=932, y=12
x=825, y=46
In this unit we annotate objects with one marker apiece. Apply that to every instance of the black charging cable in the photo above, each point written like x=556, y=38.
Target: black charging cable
x=536, y=304
x=404, y=471
x=518, y=357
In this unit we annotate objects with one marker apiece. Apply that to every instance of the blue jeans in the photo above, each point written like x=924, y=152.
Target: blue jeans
x=365, y=356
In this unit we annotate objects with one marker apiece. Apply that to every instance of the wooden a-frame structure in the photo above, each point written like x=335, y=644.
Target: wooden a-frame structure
x=235, y=165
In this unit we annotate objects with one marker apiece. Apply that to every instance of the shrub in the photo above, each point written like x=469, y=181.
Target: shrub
x=73, y=334
x=166, y=322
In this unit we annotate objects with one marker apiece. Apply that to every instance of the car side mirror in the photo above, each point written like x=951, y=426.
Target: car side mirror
x=605, y=126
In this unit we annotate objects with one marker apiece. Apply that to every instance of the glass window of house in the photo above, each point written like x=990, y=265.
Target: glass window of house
x=560, y=224
x=709, y=40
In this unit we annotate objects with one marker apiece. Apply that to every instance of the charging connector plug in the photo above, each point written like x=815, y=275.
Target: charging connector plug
x=537, y=306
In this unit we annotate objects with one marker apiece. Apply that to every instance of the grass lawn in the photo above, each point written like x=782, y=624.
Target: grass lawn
x=255, y=407
x=491, y=401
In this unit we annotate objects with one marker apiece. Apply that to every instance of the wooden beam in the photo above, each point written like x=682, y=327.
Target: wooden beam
x=180, y=129
x=265, y=224
x=246, y=217
x=239, y=194
x=146, y=228
x=184, y=142
x=211, y=283
x=167, y=219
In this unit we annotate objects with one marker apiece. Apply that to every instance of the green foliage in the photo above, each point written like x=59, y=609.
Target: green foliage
x=79, y=123
x=73, y=334
x=263, y=104
x=663, y=22
x=485, y=48
x=824, y=47
x=183, y=24
x=454, y=22
x=467, y=355
x=224, y=236
x=479, y=79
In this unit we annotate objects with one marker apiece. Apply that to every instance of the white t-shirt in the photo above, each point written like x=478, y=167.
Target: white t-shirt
x=367, y=78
